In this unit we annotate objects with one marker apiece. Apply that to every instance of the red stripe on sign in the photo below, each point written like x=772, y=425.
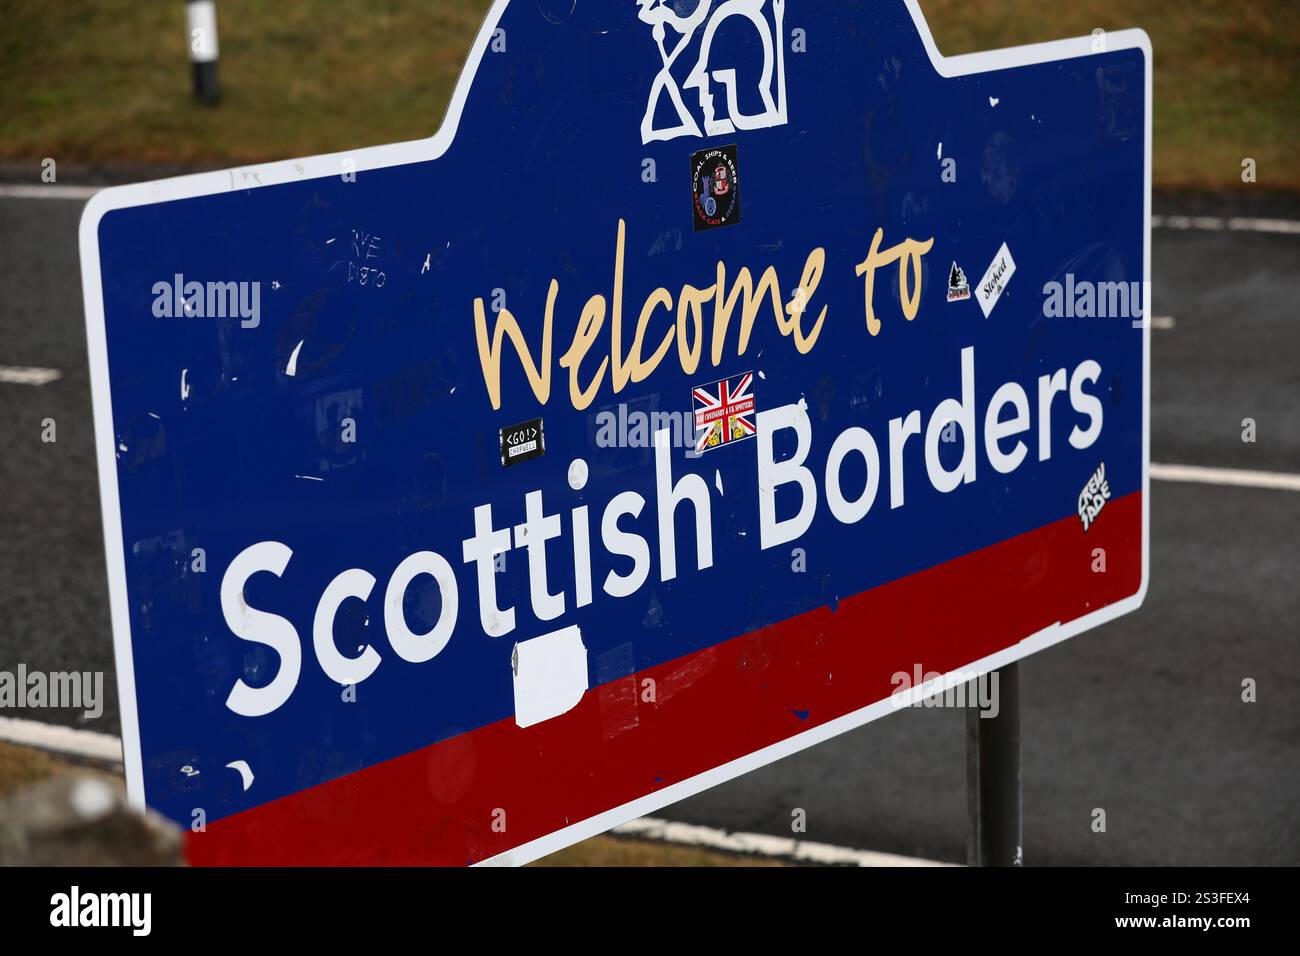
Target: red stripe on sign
x=447, y=803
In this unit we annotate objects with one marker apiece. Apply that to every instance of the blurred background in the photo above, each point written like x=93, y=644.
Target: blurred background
x=1144, y=717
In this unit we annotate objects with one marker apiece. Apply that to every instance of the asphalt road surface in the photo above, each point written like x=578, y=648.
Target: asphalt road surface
x=1142, y=718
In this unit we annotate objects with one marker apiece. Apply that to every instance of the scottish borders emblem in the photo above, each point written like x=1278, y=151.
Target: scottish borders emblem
x=705, y=19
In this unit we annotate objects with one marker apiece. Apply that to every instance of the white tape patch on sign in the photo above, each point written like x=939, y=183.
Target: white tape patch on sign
x=550, y=675
x=999, y=273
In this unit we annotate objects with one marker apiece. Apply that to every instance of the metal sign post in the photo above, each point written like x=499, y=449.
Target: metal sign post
x=993, y=777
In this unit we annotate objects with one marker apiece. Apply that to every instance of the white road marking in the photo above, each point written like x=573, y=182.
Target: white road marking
x=1163, y=322
x=47, y=191
x=760, y=844
x=1234, y=477
x=60, y=739
x=23, y=375
x=1287, y=227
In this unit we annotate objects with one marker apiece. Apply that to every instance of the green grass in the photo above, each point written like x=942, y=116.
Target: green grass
x=102, y=81
x=21, y=767
x=91, y=81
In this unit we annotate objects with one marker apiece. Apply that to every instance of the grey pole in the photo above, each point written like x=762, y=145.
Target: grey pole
x=201, y=39
x=993, y=777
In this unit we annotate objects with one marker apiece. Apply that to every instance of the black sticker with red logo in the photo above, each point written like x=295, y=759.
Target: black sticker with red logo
x=715, y=188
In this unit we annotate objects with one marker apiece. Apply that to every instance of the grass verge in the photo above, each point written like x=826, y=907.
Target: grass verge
x=102, y=81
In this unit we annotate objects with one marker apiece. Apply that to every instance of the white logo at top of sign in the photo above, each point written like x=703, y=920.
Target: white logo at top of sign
x=662, y=15
x=995, y=280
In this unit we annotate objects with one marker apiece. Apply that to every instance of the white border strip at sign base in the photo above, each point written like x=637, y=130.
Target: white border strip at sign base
x=378, y=157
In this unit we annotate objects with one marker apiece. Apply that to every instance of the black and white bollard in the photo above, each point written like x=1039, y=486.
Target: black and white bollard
x=201, y=34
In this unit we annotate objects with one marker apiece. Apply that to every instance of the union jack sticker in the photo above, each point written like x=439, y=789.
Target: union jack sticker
x=724, y=412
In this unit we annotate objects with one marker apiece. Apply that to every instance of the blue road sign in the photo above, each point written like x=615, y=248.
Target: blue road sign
x=720, y=377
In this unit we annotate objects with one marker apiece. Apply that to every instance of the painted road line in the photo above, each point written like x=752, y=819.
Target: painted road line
x=760, y=844
x=64, y=740
x=1287, y=227
x=1163, y=322
x=1234, y=477
x=1246, y=224
x=24, y=375
x=47, y=191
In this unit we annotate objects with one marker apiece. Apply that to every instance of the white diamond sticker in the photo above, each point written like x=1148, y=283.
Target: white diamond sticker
x=995, y=280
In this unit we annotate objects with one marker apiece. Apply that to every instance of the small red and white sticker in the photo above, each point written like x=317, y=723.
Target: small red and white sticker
x=724, y=412
x=958, y=287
